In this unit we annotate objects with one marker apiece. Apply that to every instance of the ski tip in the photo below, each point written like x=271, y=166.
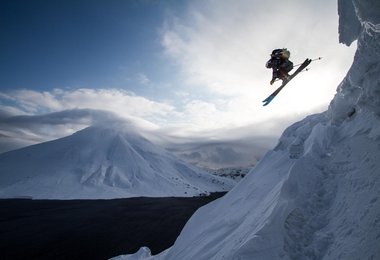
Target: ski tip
x=268, y=100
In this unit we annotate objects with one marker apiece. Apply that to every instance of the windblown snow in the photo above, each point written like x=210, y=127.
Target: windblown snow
x=101, y=162
x=317, y=194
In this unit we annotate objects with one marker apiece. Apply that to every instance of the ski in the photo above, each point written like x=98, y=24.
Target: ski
x=274, y=94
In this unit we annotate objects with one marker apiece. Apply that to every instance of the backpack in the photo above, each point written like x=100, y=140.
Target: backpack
x=281, y=53
x=285, y=54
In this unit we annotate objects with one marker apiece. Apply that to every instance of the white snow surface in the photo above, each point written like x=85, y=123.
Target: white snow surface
x=317, y=194
x=102, y=162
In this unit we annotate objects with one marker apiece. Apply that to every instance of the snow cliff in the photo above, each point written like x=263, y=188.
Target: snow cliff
x=101, y=162
x=317, y=194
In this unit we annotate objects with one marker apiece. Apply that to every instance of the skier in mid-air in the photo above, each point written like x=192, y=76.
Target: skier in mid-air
x=280, y=64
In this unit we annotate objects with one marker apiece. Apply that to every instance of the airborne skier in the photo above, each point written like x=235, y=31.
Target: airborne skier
x=280, y=71
x=280, y=64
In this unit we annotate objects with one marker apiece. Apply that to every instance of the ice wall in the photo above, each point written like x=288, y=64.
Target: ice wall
x=349, y=25
x=361, y=87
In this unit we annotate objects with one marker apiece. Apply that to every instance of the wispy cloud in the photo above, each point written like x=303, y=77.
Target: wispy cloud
x=121, y=102
x=28, y=117
x=32, y=117
x=23, y=130
x=143, y=79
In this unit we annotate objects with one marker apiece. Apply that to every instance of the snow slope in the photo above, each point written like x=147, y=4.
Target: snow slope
x=101, y=162
x=317, y=194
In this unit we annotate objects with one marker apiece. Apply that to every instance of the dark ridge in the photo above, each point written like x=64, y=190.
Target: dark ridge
x=92, y=229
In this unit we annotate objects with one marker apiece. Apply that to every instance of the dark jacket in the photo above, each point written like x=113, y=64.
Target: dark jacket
x=279, y=62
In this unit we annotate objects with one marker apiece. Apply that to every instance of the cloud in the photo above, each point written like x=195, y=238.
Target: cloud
x=194, y=117
x=29, y=117
x=121, y=102
x=74, y=116
x=205, y=152
x=143, y=79
x=221, y=48
x=24, y=130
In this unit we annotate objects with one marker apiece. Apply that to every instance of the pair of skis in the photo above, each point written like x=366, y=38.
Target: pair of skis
x=300, y=68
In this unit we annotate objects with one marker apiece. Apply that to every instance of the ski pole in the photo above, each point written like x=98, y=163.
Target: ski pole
x=319, y=58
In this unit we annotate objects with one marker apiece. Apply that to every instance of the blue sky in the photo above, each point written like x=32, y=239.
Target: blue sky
x=70, y=44
x=185, y=68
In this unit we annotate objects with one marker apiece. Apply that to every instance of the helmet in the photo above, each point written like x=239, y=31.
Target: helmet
x=276, y=53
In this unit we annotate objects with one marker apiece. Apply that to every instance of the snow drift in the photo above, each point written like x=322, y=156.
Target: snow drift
x=100, y=162
x=317, y=194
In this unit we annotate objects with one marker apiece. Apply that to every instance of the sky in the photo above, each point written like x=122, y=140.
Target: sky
x=186, y=69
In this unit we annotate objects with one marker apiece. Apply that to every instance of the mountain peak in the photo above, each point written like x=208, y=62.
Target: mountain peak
x=102, y=161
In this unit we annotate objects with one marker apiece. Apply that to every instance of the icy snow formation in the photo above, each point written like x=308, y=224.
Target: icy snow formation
x=317, y=194
x=101, y=162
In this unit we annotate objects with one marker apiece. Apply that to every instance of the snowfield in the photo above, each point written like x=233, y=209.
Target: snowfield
x=317, y=194
x=102, y=162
